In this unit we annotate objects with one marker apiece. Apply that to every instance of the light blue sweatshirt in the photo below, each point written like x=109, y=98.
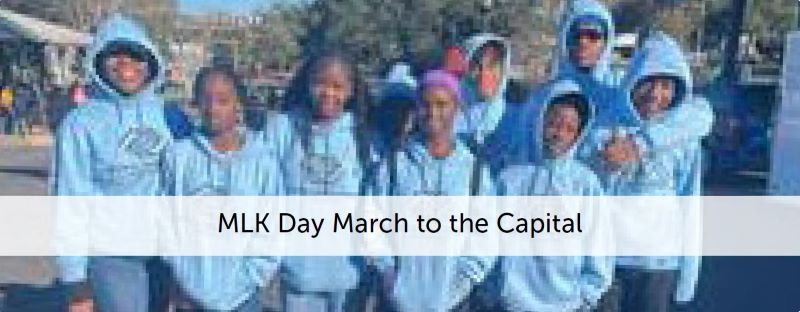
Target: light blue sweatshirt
x=433, y=283
x=555, y=283
x=113, y=145
x=195, y=168
x=493, y=129
x=688, y=123
x=420, y=174
x=323, y=161
x=674, y=171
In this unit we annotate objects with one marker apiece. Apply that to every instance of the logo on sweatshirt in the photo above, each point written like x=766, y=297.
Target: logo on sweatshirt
x=143, y=144
x=137, y=160
x=322, y=168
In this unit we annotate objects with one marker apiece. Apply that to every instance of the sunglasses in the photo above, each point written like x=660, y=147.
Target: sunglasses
x=591, y=34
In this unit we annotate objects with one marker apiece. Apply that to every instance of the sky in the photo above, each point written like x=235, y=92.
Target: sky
x=226, y=6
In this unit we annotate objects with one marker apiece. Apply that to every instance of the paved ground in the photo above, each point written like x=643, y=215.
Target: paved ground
x=23, y=170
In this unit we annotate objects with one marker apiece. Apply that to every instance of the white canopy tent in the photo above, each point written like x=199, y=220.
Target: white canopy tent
x=15, y=26
x=33, y=49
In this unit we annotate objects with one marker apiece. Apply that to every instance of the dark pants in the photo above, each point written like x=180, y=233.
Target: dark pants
x=638, y=290
x=27, y=298
x=129, y=284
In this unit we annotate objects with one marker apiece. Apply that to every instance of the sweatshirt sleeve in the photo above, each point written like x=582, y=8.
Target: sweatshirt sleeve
x=686, y=123
x=688, y=277
x=72, y=161
x=690, y=176
x=597, y=272
x=689, y=273
x=72, y=177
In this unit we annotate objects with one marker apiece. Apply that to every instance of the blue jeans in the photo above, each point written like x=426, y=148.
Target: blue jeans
x=129, y=284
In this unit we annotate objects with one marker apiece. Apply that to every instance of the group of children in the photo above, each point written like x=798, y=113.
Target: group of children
x=585, y=133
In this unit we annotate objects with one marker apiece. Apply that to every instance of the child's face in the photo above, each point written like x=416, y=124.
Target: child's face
x=486, y=72
x=127, y=74
x=561, y=128
x=587, y=49
x=438, y=111
x=220, y=104
x=331, y=88
x=653, y=96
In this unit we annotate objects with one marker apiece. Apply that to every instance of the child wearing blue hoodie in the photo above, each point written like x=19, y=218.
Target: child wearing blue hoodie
x=584, y=54
x=433, y=163
x=330, y=155
x=224, y=159
x=113, y=146
x=489, y=125
x=658, y=84
x=557, y=283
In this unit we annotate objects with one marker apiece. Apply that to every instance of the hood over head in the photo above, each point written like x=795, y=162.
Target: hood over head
x=120, y=34
x=659, y=56
x=583, y=11
x=552, y=92
x=473, y=45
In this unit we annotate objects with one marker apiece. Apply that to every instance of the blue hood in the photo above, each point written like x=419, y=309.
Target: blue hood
x=472, y=46
x=483, y=117
x=660, y=55
x=552, y=91
x=578, y=9
x=495, y=131
x=119, y=28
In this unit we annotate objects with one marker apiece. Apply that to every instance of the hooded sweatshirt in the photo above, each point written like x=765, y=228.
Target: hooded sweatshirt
x=326, y=164
x=492, y=128
x=662, y=172
x=601, y=74
x=688, y=123
x=600, y=82
x=434, y=283
x=556, y=283
x=114, y=145
x=195, y=168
